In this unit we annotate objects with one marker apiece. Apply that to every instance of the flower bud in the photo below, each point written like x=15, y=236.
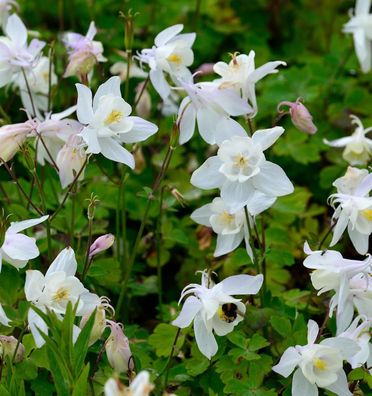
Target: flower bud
x=12, y=137
x=98, y=326
x=143, y=107
x=102, y=243
x=8, y=345
x=301, y=118
x=118, y=351
x=81, y=63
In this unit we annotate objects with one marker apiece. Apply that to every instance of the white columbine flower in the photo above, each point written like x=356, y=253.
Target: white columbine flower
x=360, y=25
x=360, y=333
x=333, y=272
x=213, y=309
x=84, y=52
x=240, y=168
x=358, y=147
x=319, y=365
x=231, y=228
x=15, y=54
x=171, y=54
x=55, y=290
x=348, y=183
x=140, y=386
x=354, y=212
x=17, y=248
x=108, y=123
x=211, y=107
x=241, y=75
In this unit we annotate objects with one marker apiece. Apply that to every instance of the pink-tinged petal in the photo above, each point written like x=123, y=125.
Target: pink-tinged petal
x=4, y=320
x=110, y=87
x=202, y=215
x=288, y=362
x=140, y=131
x=227, y=243
x=64, y=262
x=204, y=338
x=16, y=30
x=227, y=128
x=360, y=241
x=92, y=31
x=34, y=285
x=267, y=137
x=167, y=34
x=231, y=102
x=160, y=83
x=84, y=109
x=301, y=386
x=340, y=387
x=207, y=176
x=272, y=180
x=112, y=150
x=20, y=247
x=339, y=228
x=186, y=120
x=22, y=225
x=242, y=284
x=312, y=331
x=190, y=308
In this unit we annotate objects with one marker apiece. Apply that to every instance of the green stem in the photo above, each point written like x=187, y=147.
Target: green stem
x=139, y=96
x=87, y=260
x=73, y=209
x=158, y=247
x=167, y=366
x=326, y=235
x=129, y=61
x=19, y=340
x=29, y=93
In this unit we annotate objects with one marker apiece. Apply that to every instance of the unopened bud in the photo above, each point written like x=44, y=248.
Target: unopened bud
x=98, y=326
x=139, y=160
x=118, y=351
x=101, y=244
x=93, y=201
x=8, y=345
x=301, y=118
x=179, y=197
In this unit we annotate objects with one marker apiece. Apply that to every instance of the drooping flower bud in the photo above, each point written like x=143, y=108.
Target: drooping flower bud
x=118, y=351
x=102, y=243
x=8, y=345
x=70, y=160
x=13, y=136
x=98, y=326
x=301, y=118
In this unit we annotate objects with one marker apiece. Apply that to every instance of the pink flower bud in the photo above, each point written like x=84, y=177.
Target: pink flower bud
x=301, y=118
x=102, y=243
x=118, y=351
x=8, y=345
x=205, y=68
x=13, y=136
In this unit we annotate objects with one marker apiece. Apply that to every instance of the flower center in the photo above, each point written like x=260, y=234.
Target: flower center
x=174, y=58
x=367, y=213
x=240, y=161
x=320, y=364
x=60, y=294
x=114, y=116
x=226, y=217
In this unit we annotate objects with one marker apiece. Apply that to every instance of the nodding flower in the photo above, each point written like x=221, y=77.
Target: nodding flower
x=300, y=116
x=118, y=350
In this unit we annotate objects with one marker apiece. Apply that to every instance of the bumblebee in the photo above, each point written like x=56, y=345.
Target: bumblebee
x=229, y=312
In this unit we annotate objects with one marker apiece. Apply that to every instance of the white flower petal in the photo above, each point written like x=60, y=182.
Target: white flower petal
x=112, y=150
x=35, y=322
x=288, y=362
x=267, y=137
x=301, y=386
x=16, y=30
x=4, y=320
x=207, y=176
x=140, y=131
x=167, y=34
x=227, y=243
x=84, y=109
x=227, y=128
x=160, y=83
x=242, y=284
x=312, y=331
x=272, y=180
x=110, y=87
x=236, y=195
x=259, y=202
x=22, y=225
x=208, y=119
x=20, y=247
x=204, y=338
x=360, y=241
x=202, y=215
x=34, y=285
x=340, y=387
x=186, y=119
x=347, y=346
x=64, y=262
x=190, y=308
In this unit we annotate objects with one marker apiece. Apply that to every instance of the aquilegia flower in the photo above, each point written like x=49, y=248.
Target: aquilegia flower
x=240, y=168
x=140, y=386
x=231, y=228
x=319, y=365
x=241, y=75
x=348, y=183
x=211, y=107
x=358, y=147
x=213, y=309
x=108, y=123
x=55, y=290
x=17, y=248
x=171, y=54
x=15, y=54
x=354, y=212
x=360, y=26
x=84, y=52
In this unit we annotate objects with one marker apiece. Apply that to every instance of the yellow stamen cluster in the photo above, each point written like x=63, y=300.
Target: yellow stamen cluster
x=367, y=213
x=114, y=116
x=61, y=294
x=226, y=217
x=240, y=161
x=320, y=364
x=174, y=58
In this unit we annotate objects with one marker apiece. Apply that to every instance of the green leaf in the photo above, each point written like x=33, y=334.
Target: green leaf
x=163, y=337
x=281, y=325
x=81, y=385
